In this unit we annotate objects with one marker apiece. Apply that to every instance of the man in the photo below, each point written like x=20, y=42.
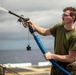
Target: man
x=65, y=41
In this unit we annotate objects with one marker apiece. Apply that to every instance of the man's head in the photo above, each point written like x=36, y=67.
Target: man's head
x=69, y=14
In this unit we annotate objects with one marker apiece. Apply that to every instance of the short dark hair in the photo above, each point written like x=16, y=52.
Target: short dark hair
x=72, y=11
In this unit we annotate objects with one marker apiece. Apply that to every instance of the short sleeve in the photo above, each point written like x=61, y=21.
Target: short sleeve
x=53, y=29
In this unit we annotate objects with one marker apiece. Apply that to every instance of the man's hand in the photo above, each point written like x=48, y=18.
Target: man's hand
x=48, y=56
x=29, y=21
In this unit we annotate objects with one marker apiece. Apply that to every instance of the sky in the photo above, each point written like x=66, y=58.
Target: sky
x=45, y=13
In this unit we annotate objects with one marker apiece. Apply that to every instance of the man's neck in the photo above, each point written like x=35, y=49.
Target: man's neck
x=69, y=26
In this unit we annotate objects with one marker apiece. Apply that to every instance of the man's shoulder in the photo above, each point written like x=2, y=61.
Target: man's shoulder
x=73, y=33
x=75, y=28
x=58, y=25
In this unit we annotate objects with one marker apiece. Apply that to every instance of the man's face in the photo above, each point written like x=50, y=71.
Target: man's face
x=66, y=18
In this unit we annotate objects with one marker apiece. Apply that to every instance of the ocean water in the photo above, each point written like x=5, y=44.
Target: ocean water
x=21, y=56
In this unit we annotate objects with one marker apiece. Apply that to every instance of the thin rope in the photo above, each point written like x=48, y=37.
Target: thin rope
x=28, y=38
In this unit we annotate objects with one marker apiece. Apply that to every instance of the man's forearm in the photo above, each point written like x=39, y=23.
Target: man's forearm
x=62, y=58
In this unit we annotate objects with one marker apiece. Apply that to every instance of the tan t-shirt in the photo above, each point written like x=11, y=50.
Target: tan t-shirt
x=65, y=40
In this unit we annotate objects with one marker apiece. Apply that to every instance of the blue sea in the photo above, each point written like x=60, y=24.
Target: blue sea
x=22, y=56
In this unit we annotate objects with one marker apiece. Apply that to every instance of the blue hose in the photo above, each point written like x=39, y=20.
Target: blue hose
x=42, y=48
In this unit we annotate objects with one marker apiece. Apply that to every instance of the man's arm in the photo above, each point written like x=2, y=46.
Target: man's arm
x=63, y=58
x=39, y=29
